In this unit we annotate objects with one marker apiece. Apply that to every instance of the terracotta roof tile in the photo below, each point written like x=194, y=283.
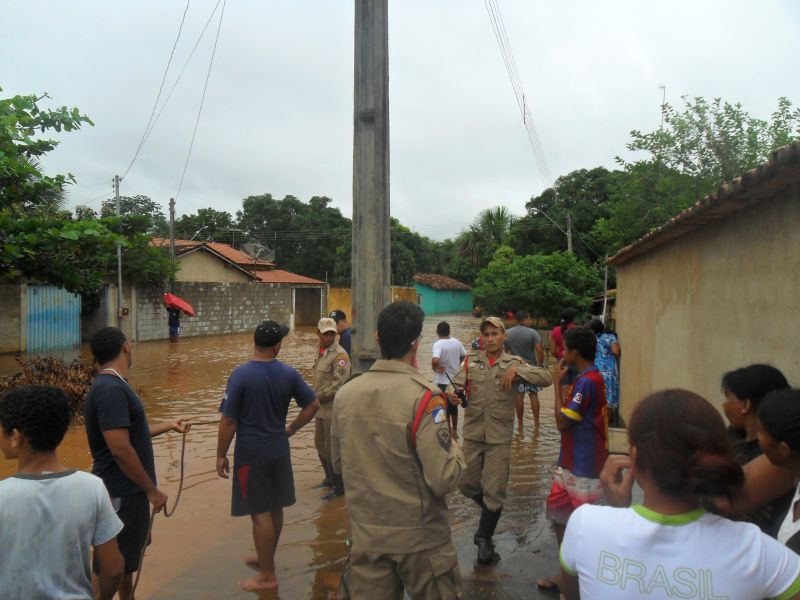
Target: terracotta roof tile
x=440, y=282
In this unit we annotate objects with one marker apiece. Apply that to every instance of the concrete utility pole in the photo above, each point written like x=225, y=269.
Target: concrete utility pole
x=371, y=275
x=119, y=257
x=569, y=233
x=172, y=238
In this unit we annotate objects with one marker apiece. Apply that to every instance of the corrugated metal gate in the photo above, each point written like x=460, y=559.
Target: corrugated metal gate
x=53, y=319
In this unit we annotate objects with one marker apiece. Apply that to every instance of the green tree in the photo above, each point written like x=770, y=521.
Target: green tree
x=304, y=236
x=713, y=142
x=543, y=284
x=23, y=185
x=584, y=195
x=488, y=232
x=208, y=223
x=138, y=205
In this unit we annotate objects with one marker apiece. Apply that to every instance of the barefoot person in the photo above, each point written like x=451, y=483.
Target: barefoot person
x=391, y=442
x=254, y=409
x=120, y=440
x=50, y=515
x=524, y=341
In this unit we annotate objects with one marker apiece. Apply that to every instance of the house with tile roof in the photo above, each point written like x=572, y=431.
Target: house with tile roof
x=439, y=294
x=714, y=288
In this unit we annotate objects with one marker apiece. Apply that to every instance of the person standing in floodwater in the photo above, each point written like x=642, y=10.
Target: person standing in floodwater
x=491, y=377
x=343, y=328
x=120, y=440
x=174, y=322
x=331, y=370
x=254, y=409
x=391, y=442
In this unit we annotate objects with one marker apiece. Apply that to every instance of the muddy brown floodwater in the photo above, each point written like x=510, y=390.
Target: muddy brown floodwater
x=199, y=552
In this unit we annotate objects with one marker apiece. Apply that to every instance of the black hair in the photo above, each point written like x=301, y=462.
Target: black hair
x=443, y=328
x=106, y=344
x=779, y=415
x=597, y=326
x=683, y=446
x=399, y=325
x=521, y=315
x=41, y=412
x=753, y=382
x=338, y=315
x=567, y=316
x=583, y=340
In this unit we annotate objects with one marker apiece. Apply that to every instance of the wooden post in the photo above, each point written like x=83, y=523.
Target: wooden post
x=371, y=274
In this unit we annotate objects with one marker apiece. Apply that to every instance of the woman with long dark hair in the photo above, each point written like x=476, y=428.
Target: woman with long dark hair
x=669, y=546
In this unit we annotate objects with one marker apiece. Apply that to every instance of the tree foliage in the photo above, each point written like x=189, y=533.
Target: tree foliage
x=23, y=185
x=207, y=224
x=41, y=243
x=143, y=206
x=543, y=284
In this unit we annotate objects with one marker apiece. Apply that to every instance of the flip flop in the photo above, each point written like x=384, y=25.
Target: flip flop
x=548, y=585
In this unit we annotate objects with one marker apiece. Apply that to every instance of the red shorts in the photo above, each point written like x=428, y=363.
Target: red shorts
x=569, y=492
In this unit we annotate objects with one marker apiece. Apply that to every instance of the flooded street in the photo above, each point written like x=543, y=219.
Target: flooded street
x=199, y=552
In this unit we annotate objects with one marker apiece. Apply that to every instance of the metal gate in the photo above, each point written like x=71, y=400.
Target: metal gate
x=53, y=319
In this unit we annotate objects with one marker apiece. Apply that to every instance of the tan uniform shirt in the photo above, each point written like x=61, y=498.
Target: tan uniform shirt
x=331, y=370
x=489, y=416
x=395, y=492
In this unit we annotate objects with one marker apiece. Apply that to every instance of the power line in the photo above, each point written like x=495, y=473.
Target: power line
x=501, y=36
x=186, y=64
x=160, y=88
x=202, y=100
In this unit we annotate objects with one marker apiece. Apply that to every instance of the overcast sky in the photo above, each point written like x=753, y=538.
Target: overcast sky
x=278, y=110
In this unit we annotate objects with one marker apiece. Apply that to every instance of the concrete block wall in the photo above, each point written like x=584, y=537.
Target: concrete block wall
x=219, y=308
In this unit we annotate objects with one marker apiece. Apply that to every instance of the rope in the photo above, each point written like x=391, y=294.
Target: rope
x=167, y=512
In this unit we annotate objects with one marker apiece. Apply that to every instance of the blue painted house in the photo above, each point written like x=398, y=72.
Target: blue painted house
x=439, y=294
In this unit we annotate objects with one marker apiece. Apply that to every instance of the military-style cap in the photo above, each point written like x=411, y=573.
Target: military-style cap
x=496, y=321
x=326, y=324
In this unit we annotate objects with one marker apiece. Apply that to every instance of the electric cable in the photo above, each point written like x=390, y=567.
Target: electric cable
x=202, y=100
x=160, y=88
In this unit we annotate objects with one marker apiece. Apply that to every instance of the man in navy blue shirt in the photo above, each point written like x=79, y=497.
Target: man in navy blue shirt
x=343, y=328
x=254, y=409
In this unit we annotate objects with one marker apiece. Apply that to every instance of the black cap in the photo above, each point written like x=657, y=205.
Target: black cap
x=338, y=315
x=269, y=333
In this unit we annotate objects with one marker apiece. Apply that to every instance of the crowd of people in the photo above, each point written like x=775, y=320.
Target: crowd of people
x=719, y=515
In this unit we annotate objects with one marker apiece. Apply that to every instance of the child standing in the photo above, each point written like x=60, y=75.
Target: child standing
x=50, y=514
x=583, y=423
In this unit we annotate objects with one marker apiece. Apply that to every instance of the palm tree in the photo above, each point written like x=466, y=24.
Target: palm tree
x=487, y=233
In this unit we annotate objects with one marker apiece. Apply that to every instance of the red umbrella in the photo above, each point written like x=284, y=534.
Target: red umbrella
x=173, y=301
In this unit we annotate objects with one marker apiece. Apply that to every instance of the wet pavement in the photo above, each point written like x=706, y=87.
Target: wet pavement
x=199, y=552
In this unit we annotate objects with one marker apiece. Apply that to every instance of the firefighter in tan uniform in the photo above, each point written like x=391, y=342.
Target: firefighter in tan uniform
x=391, y=442
x=331, y=370
x=491, y=377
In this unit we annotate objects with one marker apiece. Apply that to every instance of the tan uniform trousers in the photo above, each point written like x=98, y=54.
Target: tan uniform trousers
x=431, y=574
x=322, y=436
x=487, y=472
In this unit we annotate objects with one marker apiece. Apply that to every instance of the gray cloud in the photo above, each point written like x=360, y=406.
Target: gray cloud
x=278, y=111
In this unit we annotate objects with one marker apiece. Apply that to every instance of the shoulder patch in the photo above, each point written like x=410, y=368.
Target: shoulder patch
x=439, y=414
x=434, y=403
x=445, y=441
x=341, y=362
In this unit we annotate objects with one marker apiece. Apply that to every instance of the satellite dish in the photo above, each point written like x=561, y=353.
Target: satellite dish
x=258, y=251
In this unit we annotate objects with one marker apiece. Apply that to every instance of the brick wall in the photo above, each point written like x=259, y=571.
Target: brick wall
x=219, y=308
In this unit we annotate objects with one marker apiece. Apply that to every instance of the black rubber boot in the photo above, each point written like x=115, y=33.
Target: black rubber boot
x=478, y=499
x=337, y=486
x=483, y=537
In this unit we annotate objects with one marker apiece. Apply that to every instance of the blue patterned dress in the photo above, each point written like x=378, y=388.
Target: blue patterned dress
x=606, y=363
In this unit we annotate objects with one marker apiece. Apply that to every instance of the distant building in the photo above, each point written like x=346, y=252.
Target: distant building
x=439, y=294
x=714, y=288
